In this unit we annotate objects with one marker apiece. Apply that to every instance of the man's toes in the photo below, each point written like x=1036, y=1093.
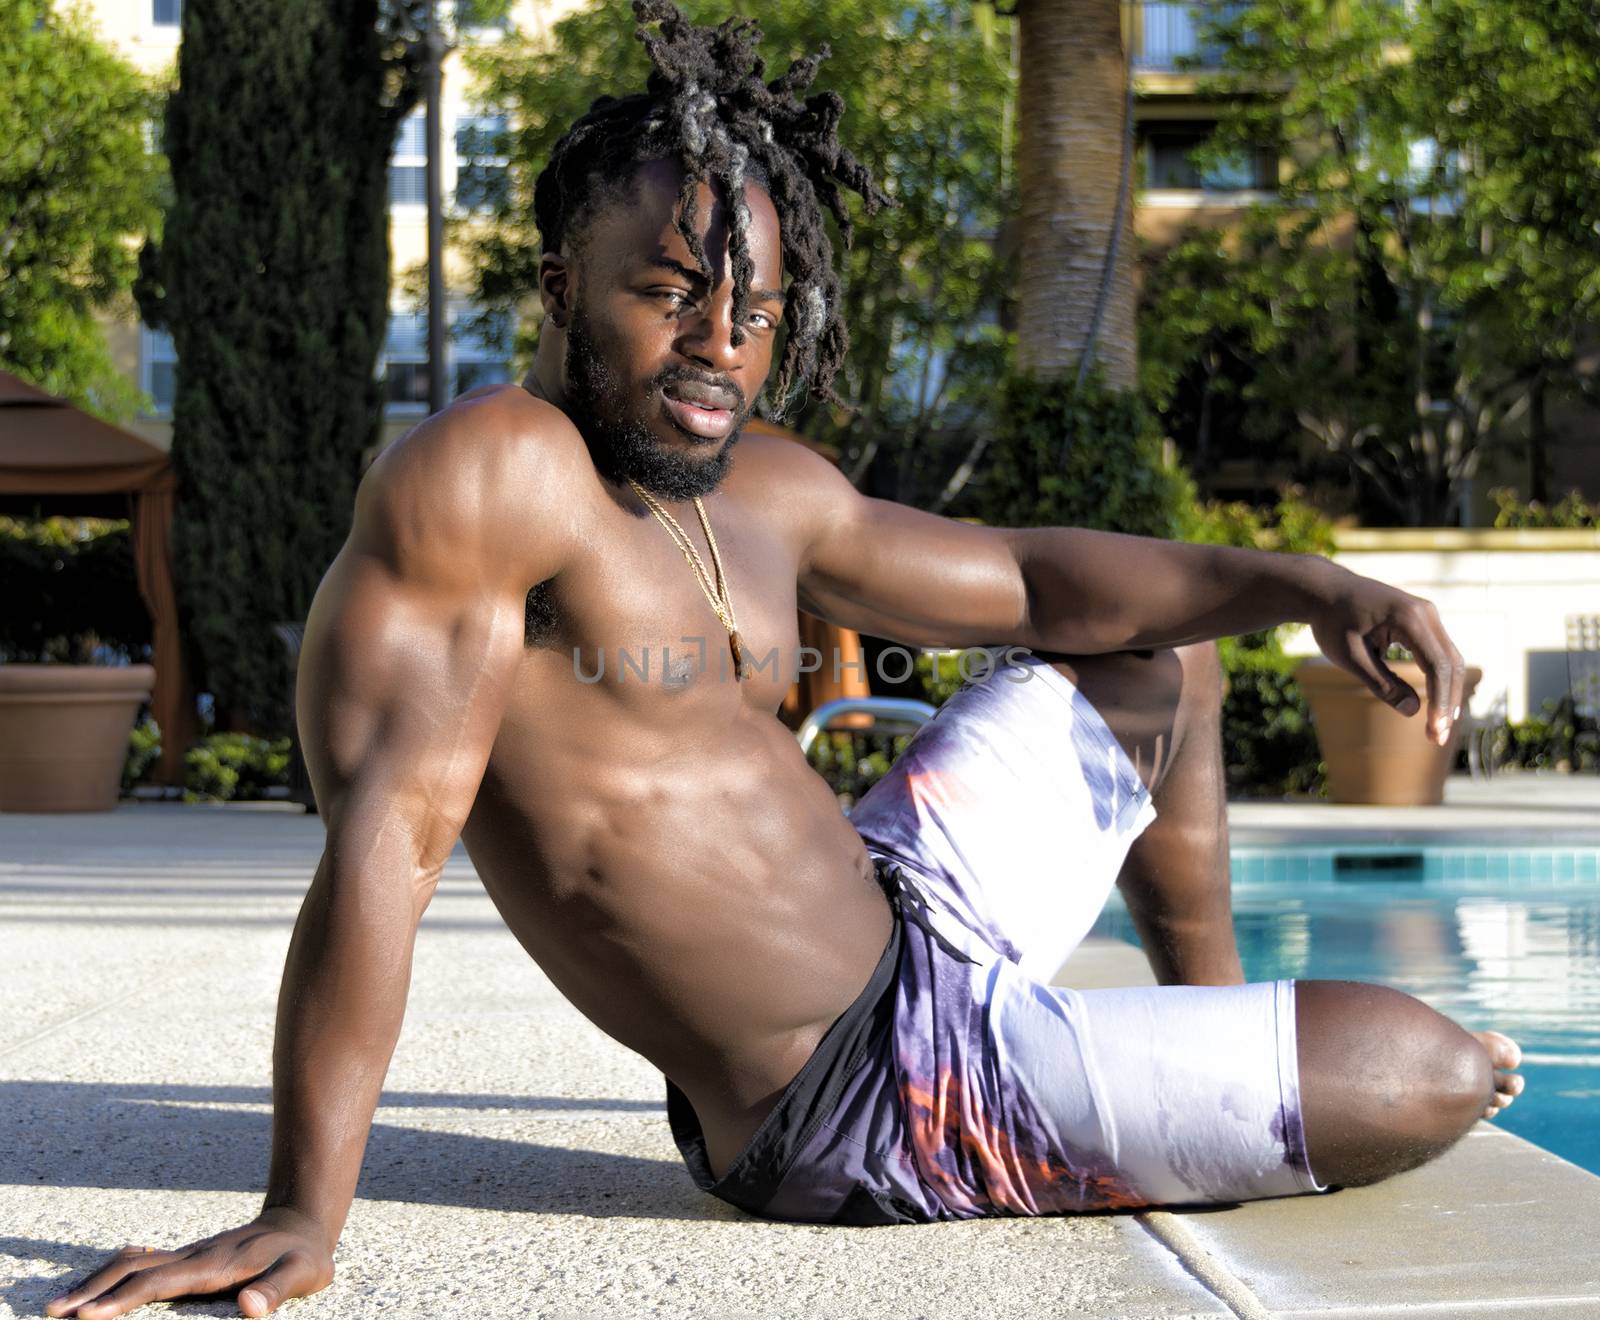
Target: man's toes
x=1504, y=1053
x=1507, y=1087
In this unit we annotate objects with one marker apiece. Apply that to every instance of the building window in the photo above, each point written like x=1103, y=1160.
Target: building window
x=1166, y=151
x=1172, y=36
x=1433, y=178
x=158, y=369
x=478, y=353
x=167, y=13
x=408, y=163
x=405, y=356
x=481, y=179
x=470, y=18
x=480, y=345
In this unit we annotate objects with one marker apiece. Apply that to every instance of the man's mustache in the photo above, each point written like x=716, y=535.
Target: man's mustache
x=720, y=385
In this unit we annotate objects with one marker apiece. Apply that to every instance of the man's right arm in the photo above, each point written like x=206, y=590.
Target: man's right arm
x=410, y=652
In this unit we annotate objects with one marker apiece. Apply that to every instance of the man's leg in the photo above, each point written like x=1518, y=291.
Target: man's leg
x=1165, y=708
x=1386, y=1082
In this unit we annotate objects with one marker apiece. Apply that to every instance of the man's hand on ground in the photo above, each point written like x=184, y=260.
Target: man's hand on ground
x=1358, y=622
x=280, y=1254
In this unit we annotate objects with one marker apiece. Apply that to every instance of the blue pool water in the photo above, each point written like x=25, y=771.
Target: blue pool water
x=1502, y=938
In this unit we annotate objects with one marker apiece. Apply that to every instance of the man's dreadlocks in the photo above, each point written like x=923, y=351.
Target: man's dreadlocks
x=707, y=107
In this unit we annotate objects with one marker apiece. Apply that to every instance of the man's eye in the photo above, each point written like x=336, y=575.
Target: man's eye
x=762, y=320
x=674, y=297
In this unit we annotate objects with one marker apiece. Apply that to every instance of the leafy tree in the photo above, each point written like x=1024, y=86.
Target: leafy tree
x=927, y=87
x=76, y=182
x=274, y=280
x=1076, y=444
x=1514, y=87
x=1426, y=274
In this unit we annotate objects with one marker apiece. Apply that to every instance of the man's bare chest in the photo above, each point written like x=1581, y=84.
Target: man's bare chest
x=631, y=618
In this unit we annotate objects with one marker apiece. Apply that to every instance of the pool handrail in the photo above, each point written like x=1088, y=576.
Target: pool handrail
x=890, y=714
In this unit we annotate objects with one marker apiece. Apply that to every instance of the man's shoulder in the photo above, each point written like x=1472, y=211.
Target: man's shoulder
x=782, y=463
x=489, y=427
x=793, y=478
x=496, y=474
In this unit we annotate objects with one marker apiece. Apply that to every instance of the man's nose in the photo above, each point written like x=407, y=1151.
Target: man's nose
x=706, y=333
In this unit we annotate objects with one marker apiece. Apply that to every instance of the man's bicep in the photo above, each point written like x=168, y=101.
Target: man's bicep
x=403, y=683
x=909, y=576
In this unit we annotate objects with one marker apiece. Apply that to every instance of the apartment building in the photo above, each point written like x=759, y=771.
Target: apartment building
x=1171, y=119
x=147, y=32
x=1170, y=57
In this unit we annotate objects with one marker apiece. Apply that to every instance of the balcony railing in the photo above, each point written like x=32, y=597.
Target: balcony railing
x=1166, y=34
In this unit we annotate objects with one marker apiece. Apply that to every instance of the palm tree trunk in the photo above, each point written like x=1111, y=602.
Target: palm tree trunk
x=1072, y=107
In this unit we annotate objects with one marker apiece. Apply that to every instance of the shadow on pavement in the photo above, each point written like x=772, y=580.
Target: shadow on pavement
x=76, y=1134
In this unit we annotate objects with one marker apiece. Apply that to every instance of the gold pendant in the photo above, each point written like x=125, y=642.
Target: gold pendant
x=736, y=645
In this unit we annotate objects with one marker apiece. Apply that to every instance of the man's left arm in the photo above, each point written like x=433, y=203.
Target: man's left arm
x=916, y=578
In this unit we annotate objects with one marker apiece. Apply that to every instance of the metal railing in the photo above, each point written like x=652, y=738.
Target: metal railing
x=1583, y=664
x=890, y=715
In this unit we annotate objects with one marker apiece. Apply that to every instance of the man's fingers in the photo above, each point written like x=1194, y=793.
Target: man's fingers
x=294, y=1275
x=1386, y=685
x=130, y=1260
x=1441, y=663
x=208, y=1271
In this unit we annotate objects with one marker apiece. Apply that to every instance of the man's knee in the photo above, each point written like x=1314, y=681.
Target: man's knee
x=1387, y=1083
x=1142, y=683
x=1466, y=1079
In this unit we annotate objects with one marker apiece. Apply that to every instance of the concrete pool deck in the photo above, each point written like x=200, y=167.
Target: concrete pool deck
x=520, y=1163
x=1510, y=809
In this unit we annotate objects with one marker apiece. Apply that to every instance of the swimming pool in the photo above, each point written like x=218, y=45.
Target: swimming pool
x=1494, y=937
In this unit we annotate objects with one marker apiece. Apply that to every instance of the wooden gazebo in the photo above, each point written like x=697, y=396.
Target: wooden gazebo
x=58, y=459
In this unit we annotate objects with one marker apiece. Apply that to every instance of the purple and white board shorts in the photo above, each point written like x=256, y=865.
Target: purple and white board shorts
x=959, y=1084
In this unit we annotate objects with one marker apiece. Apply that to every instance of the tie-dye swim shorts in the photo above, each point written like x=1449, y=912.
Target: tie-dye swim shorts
x=959, y=1083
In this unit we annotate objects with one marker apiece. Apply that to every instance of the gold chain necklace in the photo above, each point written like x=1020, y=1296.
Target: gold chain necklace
x=718, y=595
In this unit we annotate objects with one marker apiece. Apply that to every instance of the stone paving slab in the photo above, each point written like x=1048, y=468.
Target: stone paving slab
x=1512, y=808
x=520, y=1161
x=1494, y=1225
x=521, y=1164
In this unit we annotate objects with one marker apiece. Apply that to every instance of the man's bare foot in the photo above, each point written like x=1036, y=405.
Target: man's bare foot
x=1505, y=1055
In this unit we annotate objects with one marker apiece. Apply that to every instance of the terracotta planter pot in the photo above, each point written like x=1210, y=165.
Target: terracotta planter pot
x=64, y=733
x=1375, y=754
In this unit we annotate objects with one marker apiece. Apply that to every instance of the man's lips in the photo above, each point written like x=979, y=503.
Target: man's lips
x=697, y=419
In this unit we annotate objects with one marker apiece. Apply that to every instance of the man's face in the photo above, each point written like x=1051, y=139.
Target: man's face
x=650, y=373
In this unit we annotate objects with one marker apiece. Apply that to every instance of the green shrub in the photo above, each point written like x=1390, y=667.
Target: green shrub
x=144, y=747
x=1113, y=474
x=1571, y=511
x=70, y=589
x=940, y=672
x=225, y=767
x=1558, y=739
x=1269, y=748
x=851, y=762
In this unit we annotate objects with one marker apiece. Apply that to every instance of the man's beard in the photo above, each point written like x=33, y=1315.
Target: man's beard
x=620, y=442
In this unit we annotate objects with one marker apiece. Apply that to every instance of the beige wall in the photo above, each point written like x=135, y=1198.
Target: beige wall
x=128, y=25
x=1505, y=598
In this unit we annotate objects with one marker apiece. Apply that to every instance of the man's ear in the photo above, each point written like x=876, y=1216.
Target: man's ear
x=555, y=288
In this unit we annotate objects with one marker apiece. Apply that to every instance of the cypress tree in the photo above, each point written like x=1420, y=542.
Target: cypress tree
x=273, y=279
